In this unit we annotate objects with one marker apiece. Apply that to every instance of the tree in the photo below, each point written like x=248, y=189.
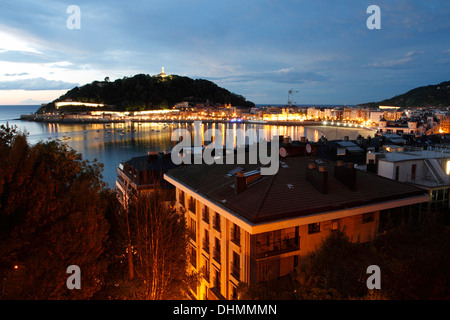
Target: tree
x=158, y=249
x=336, y=270
x=51, y=217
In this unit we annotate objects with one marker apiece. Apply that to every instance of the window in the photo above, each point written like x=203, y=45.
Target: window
x=206, y=241
x=234, y=294
x=182, y=198
x=192, y=205
x=216, y=280
x=313, y=227
x=335, y=225
x=367, y=217
x=236, y=234
x=216, y=252
x=216, y=222
x=276, y=242
x=205, y=214
x=192, y=231
x=413, y=172
x=193, y=257
x=236, y=265
x=205, y=271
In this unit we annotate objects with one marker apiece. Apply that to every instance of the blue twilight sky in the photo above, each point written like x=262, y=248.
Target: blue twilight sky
x=257, y=48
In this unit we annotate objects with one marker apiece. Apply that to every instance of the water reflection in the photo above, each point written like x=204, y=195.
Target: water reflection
x=116, y=142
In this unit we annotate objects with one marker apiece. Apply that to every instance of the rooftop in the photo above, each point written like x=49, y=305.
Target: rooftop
x=287, y=194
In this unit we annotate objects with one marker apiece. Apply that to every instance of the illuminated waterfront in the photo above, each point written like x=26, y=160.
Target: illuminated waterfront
x=111, y=143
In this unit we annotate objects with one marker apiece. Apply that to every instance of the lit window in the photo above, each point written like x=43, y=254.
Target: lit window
x=313, y=227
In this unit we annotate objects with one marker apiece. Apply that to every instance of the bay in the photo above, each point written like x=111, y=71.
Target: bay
x=113, y=143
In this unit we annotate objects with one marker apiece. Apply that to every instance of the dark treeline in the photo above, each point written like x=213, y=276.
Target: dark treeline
x=145, y=92
x=55, y=212
x=433, y=95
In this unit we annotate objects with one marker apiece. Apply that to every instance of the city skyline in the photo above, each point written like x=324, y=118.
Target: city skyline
x=323, y=50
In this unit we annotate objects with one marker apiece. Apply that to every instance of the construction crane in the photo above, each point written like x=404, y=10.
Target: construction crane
x=290, y=93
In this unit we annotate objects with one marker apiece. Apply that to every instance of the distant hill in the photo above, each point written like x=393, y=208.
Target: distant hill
x=145, y=92
x=432, y=95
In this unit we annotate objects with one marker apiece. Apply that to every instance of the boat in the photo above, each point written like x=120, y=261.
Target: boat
x=257, y=121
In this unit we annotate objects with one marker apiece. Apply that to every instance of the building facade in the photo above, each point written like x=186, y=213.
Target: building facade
x=244, y=227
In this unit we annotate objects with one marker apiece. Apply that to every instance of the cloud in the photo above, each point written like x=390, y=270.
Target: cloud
x=36, y=84
x=12, y=40
x=284, y=75
x=32, y=102
x=396, y=63
x=16, y=74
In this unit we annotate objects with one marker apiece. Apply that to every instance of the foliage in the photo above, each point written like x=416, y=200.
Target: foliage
x=51, y=217
x=158, y=241
x=432, y=95
x=413, y=258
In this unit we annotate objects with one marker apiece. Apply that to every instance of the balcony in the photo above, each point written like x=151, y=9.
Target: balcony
x=216, y=284
x=216, y=255
x=216, y=223
x=205, y=273
x=191, y=205
x=193, y=260
x=192, y=233
x=281, y=246
x=236, y=236
x=206, y=245
x=205, y=215
x=235, y=270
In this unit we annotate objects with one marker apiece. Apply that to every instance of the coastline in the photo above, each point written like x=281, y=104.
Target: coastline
x=106, y=120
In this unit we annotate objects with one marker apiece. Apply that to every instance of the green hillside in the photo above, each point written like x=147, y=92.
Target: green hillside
x=432, y=95
x=145, y=92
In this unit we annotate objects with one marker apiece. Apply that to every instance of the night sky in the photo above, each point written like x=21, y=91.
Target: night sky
x=259, y=49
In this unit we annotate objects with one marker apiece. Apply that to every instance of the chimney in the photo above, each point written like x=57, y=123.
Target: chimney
x=346, y=174
x=153, y=156
x=240, y=184
x=318, y=177
x=243, y=179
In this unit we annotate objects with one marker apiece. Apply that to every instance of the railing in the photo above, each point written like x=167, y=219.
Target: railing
x=206, y=245
x=205, y=273
x=216, y=284
x=277, y=247
x=193, y=260
x=236, y=236
x=235, y=270
x=191, y=206
x=192, y=234
x=216, y=255
x=205, y=215
x=216, y=223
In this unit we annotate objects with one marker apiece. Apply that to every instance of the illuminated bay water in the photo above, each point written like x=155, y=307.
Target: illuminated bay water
x=116, y=142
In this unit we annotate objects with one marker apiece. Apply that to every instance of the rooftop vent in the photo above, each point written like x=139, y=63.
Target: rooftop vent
x=243, y=179
x=346, y=174
x=318, y=177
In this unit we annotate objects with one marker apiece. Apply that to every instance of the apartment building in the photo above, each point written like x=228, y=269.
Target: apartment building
x=141, y=175
x=245, y=227
x=427, y=169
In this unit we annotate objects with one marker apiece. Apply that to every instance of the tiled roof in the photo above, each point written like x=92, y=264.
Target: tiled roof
x=288, y=194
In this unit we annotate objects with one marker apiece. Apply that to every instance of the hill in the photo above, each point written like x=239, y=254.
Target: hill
x=432, y=95
x=145, y=92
